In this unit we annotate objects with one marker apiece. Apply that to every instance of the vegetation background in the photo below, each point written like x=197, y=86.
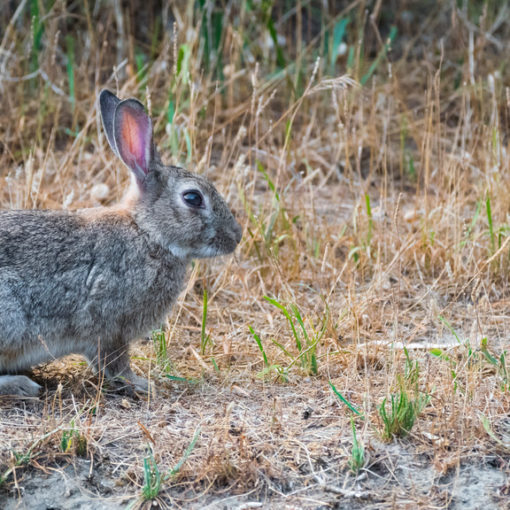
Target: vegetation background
x=353, y=353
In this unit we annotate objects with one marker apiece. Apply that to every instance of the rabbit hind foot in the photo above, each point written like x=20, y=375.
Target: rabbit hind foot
x=18, y=386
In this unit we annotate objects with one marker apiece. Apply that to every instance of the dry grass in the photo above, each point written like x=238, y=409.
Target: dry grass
x=376, y=205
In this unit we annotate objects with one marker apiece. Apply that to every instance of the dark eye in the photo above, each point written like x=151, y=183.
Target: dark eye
x=193, y=198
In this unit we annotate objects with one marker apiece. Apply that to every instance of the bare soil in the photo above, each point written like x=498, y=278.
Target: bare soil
x=260, y=445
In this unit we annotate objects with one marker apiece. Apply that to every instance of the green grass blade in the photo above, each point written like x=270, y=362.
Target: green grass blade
x=338, y=35
x=450, y=328
x=259, y=343
x=473, y=223
x=370, y=219
x=380, y=56
x=70, y=69
x=344, y=400
x=185, y=456
x=280, y=58
x=297, y=314
x=491, y=225
x=285, y=312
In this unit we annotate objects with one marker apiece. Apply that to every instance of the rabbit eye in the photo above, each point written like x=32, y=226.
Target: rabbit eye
x=193, y=198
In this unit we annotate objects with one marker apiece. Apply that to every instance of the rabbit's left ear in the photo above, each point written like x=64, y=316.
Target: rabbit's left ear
x=132, y=133
x=108, y=103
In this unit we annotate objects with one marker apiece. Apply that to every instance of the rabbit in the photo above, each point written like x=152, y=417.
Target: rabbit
x=92, y=281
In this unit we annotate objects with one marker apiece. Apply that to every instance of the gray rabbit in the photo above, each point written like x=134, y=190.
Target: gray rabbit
x=92, y=281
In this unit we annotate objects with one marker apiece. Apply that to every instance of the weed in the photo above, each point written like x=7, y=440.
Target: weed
x=500, y=364
x=380, y=56
x=153, y=479
x=487, y=426
x=469, y=231
x=405, y=405
x=370, y=221
x=160, y=348
x=70, y=64
x=439, y=353
x=306, y=342
x=274, y=226
x=268, y=368
x=73, y=440
x=358, y=459
x=404, y=409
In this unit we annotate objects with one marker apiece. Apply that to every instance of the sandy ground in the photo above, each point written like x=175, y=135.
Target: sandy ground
x=261, y=446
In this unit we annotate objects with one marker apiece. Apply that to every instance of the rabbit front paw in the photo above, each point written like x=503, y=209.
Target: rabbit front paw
x=132, y=384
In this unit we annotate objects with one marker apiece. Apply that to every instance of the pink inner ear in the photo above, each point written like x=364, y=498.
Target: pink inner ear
x=133, y=137
x=134, y=140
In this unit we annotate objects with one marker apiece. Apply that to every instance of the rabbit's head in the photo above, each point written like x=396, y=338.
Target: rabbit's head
x=180, y=210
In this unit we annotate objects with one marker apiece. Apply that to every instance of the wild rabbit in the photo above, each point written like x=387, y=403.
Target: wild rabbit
x=90, y=282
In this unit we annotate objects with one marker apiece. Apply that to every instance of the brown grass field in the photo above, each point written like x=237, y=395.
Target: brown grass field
x=353, y=353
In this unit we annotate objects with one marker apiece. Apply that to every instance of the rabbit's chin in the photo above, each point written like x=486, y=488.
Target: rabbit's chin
x=203, y=252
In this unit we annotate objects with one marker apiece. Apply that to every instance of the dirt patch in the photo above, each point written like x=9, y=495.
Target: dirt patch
x=63, y=488
x=262, y=445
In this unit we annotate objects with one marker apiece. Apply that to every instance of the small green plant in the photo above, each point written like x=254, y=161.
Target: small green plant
x=468, y=235
x=495, y=234
x=487, y=426
x=482, y=355
x=357, y=460
x=73, y=440
x=23, y=459
x=443, y=356
x=439, y=353
x=306, y=341
x=161, y=350
x=37, y=34
x=20, y=459
x=451, y=329
x=405, y=405
x=363, y=244
x=159, y=340
x=205, y=338
x=152, y=476
x=141, y=67
x=402, y=414
x=268, y=368
x=274, y=225
x=337, y=39
x=500, y=364
x=70, y=65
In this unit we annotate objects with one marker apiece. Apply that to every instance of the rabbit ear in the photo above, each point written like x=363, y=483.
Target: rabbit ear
x=107, y=103
x=132, y=132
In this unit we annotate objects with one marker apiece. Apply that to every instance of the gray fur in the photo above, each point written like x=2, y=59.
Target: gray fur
x=92, y=281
